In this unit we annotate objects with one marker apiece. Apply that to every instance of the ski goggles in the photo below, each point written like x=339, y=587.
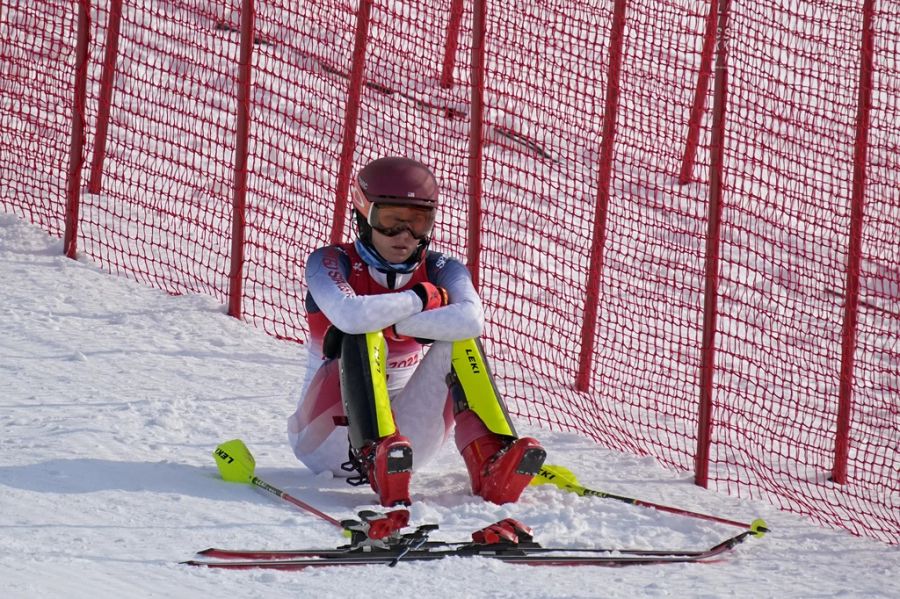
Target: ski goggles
x=393, y=219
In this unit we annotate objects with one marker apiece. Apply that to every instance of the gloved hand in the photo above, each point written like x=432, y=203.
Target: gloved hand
x=431, y=295
x=391, y=334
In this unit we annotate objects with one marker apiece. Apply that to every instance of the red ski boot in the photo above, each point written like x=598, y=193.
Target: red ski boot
x=500, y=468
x=390, y=470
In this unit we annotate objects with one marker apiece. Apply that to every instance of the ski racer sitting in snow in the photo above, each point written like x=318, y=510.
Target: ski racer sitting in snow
x=394, y=353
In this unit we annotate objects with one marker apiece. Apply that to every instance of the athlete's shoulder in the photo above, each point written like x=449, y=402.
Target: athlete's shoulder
x=328, y=271
x=440, y=267
x=438, y=260
x=329, y=256
x=333, y=249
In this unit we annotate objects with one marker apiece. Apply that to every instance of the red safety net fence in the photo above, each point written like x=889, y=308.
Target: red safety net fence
x=683, y=215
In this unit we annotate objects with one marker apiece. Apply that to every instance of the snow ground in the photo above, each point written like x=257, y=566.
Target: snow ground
x=116, y=394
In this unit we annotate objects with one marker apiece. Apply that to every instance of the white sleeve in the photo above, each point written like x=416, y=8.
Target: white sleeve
x=326, y=278
x=463, y=318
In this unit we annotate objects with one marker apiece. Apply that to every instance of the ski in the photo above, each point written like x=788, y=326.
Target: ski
x=527, y=553
x=431, y=547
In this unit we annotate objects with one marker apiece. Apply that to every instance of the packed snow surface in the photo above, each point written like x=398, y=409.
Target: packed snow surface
x=115, y=396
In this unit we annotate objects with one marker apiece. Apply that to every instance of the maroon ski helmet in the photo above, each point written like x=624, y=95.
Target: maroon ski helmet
x=394, y=180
